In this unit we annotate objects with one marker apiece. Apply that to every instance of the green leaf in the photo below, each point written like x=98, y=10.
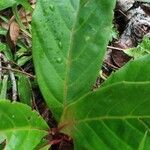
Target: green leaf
x=67, y=54
x=115, y=113
x=69, y=42
x=2, y=47
x=6, y=50
x=23, y=60
x=116, y=117
x=21, y=127
x=3, y=88
x=3, y=31
x=141, y=50
x=114, y=33
x=25, y=90
x=135, y=71
x=9, y=3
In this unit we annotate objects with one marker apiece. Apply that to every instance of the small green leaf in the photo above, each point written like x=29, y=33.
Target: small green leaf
x=2, y=47
x=3, y=88
x=21, y=61
x=141, y=50
x=25, y=90
x=21, y=127
x=6, y=50
x=114, y=33
x=3, y=31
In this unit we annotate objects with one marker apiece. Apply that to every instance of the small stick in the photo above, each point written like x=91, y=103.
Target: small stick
x=123, y=13
x=111, y=65
x=115, y=48
x=18, y=71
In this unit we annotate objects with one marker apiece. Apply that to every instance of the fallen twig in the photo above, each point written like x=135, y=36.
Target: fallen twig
x=115, y=48
x=18, y=71
x=111, y=65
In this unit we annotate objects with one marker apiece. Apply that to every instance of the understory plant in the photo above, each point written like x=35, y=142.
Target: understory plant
x=69, y=42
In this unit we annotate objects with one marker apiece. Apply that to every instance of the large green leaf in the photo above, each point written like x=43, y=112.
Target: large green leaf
x=135, y=71
x=69, y=38
x=21, y=127
x=116, y=117
x=110, y=117
x=69, y=42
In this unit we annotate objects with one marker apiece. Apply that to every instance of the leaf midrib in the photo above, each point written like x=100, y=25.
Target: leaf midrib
x=68, y=62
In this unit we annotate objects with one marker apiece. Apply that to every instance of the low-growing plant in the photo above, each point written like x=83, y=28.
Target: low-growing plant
x=142, y=49
x=69, y=42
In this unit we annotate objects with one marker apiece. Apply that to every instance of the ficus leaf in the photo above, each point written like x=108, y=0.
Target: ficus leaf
x=114, y=117
x=21, y=127
x=69, y=42
x=111, y=116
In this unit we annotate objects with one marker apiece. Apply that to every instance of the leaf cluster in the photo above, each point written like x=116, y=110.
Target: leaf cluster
x=69, y=43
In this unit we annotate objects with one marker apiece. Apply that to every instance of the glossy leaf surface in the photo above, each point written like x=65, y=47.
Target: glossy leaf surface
x=110, y=117
x=67, y=55
x=21, y=127
x=113, y=118
x=69, y=42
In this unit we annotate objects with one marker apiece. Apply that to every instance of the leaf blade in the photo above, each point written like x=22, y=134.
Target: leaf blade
x=20, y=126
x=75, y=49
x=134, y=71
x=25, y=90
x=110, y=118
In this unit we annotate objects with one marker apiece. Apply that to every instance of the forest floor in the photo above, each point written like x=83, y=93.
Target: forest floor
x=131, y=27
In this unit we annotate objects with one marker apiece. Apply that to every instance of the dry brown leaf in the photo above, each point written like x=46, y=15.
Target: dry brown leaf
x=25, y=17
x=14, y=32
